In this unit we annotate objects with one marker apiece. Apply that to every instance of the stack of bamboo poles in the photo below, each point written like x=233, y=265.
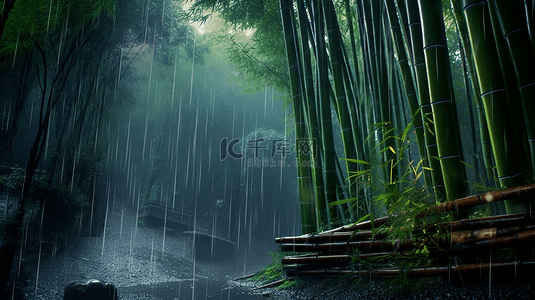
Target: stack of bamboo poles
x=347, y=249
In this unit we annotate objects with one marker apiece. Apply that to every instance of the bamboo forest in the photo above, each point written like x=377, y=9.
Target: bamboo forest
x=252, y=149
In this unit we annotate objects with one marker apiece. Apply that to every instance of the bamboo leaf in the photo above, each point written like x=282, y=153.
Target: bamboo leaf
x=357, y=161
x=343, y=201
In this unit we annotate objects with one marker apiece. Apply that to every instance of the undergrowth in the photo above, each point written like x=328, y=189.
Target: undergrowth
x=398, y=191
x=274, y=271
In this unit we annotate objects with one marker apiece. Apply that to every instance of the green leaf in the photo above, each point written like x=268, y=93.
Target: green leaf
x=357, y=161
x=343, y=201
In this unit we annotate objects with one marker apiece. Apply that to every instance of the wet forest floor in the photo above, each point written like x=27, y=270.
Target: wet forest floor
x=148, y=263
x=140, y=262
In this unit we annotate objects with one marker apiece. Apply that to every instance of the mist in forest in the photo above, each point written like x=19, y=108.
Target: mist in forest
x=136, y=149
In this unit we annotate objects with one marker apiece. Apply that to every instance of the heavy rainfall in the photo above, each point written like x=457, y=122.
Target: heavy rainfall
x=209, y=149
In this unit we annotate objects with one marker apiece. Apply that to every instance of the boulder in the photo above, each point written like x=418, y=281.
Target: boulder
x=90, y=290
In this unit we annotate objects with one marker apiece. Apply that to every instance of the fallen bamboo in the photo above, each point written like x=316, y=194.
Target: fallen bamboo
x=341, y=247
x=506, y=240
x=440, y=271
x=336, y=247
x=320, y=259
x=326, y=237
x=272, y=284
x=244, y=277
x=361, y=226
x=485, y=234
x=331, y=260
x=490, y=237
x=523, y=219
x=467, y=202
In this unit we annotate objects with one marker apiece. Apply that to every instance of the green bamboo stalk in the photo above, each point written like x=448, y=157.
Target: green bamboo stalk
x=513, y=28
x=494, y=97
x=385, y=102
x=408, y=83
x=337, y=72
x=441, y=97
x=404, y=22
x=352, y=39
x=515, y=102
x=420, y=71
x=306, y=201
x=466, y=51
x=530, y=16
x=312, y=117
x=323, y=90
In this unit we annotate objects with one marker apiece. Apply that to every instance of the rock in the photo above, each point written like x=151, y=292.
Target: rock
x=90, y=290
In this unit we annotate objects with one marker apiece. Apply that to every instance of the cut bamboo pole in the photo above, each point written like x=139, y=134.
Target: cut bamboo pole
x=271, y=284
x=318, y=259
x=487, y=234
x=326, y=237
x=484, y=237
x=495, y=196
x=340, y=247
x=509, y=239
x=523, y=219
x=336, y=249
x=361, y=226
x=420, y=271
x=244, y=277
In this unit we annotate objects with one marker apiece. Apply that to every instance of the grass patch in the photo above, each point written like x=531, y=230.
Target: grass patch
x=275, y=272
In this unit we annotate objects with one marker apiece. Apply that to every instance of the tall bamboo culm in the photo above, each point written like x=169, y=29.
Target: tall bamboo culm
x=494, y=97
x=441, y=98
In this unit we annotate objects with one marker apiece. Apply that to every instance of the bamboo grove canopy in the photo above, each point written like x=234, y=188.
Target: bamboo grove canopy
x=379, y=87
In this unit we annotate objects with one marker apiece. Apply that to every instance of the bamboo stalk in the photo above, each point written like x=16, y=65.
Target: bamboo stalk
x=341, y=247
x=470, y=201
x=305, y=184
x=326, y=237
x=420, y=271
x=361, y=226
x=509, y=239
x=495, y=98
x=244, y=277
x=485, y=237
x=486, y=222
x=271, y=284
x=486, y=234
x=319, y=259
